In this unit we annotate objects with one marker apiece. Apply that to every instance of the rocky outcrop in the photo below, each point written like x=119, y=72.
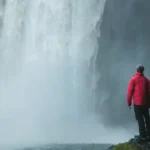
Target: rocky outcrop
x=132, y=144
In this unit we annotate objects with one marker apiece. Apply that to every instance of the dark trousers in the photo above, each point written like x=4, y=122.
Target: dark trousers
x=143, y=118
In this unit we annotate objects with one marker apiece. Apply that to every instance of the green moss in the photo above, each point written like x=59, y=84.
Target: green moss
x=127, y=146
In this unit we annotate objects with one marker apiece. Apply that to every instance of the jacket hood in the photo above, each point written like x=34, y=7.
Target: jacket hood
x=139, y=74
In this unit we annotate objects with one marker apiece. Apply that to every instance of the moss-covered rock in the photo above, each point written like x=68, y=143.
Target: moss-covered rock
x=127, y=146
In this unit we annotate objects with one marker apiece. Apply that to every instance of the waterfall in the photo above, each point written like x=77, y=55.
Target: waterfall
x=47, y=63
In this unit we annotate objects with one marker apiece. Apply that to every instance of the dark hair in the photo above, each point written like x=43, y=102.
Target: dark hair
x=140, y=68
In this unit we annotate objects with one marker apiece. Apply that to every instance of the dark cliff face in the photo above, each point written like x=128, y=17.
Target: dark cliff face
x=124, y=42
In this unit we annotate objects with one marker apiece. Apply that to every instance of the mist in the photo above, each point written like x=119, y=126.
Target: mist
x=48, y=50
x=60, y=61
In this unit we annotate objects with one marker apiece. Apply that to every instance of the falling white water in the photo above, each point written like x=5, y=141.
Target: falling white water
x=47, y=59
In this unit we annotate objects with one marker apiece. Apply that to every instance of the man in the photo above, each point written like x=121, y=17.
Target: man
x=139, y=90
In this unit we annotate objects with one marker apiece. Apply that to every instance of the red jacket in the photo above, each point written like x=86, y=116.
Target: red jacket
x=139, y=90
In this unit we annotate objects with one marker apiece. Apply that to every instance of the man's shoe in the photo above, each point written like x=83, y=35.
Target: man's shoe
x=142, y=138
x=137, y=136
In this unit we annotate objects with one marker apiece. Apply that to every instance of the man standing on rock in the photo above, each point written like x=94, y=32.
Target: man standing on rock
x=139, y=90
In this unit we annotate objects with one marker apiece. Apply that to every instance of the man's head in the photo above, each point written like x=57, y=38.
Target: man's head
x=140, y=68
